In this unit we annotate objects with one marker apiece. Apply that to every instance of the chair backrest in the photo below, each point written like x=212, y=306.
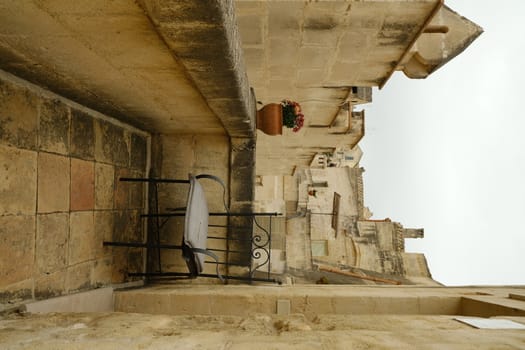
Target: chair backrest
x=196, y=221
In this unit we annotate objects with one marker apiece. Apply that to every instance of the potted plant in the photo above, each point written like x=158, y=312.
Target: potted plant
x=293, y=117
x=272, y=117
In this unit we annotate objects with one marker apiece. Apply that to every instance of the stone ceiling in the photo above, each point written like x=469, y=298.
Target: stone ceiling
x=106, y=55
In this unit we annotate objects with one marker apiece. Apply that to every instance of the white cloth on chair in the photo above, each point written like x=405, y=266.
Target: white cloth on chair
x=196, y=221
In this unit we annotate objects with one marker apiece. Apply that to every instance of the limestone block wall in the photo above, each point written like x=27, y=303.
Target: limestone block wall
x=59, y=194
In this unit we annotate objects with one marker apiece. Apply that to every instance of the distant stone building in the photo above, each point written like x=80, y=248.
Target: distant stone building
x=329, y=226
x=285, y=46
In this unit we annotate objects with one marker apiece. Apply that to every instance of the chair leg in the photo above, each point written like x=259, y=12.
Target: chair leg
x=213, y=256
x=156, y=225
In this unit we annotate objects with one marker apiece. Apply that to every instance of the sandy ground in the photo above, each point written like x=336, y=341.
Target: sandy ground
x=102, y=331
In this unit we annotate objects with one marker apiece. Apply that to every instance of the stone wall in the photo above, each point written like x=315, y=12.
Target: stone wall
x=60, y=196
x=177, y=156
x=203, y=35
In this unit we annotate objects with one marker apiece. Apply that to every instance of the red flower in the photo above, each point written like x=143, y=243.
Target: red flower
x=292, y=115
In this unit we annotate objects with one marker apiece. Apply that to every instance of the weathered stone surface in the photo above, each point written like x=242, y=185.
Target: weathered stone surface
x=242, y=120
x=79, y=276
x=16, y=292
x=18, y=179
x=156, y=158
x=127, y=226
x=54, y=127
x=17, y=242
x=102, y=271
x=112, y=144
x=119, y=271
x=51, y=242
x=136, y=259
x=243, y=184
x=82, y=135
x=53, y=183
x=50, y=285
x=210, y=151
x=122, y=189
x=82, y=240
x=136, y=191
x=103, y=232
x=138, y=154
x=253, y=33
x=204, y=36
x=242, y=169
x=181, y=151
x=82, y=184
x=18, y=116
x=104, y=186
x=241, y=229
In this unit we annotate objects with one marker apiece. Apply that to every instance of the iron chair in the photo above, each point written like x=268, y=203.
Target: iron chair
x=195, y=236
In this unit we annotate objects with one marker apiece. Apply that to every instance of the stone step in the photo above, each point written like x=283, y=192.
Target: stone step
x=309, y=300
x=313, y=300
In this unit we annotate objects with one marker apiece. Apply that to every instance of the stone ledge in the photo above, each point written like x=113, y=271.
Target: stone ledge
x=204, y=37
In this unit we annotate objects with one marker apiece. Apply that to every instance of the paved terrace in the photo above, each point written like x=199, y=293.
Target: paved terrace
x=283, y=317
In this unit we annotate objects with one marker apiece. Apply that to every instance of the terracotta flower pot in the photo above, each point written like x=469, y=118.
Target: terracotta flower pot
x=270, y=119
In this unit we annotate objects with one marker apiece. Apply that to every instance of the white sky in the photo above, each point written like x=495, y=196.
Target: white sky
x=447, y=153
